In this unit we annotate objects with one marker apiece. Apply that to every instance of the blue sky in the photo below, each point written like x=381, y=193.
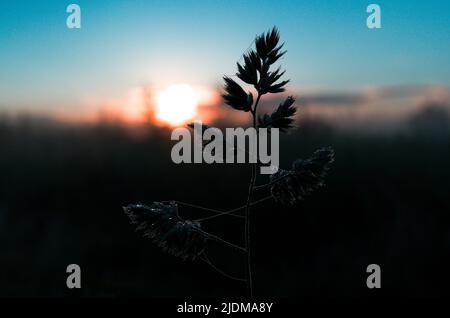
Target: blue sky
x=124, y=44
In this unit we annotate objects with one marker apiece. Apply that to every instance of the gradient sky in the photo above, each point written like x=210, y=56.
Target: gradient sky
x=125, y=44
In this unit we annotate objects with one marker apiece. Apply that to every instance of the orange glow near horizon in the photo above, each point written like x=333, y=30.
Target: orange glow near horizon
x=134, y=110
x=177, y=104
x=174, y=105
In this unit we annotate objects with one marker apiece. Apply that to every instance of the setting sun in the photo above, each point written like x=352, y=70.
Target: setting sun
x=176, y=104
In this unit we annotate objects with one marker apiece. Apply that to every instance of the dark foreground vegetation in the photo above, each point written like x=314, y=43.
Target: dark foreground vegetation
x=62, y=188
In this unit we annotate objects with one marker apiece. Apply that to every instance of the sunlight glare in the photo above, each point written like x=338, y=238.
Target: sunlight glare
x=176, y=104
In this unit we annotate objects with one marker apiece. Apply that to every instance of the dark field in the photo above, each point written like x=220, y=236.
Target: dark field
x=62, y=188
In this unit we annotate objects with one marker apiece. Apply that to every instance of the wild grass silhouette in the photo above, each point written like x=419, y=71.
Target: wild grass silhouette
x=185, y=238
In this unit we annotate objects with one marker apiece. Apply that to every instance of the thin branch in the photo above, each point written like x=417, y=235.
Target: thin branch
x=220, y=240
x=271, y=182
x=247, y=209
x=204, y=258
x=240, y=58
x=208, y=209
x=233, y=210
